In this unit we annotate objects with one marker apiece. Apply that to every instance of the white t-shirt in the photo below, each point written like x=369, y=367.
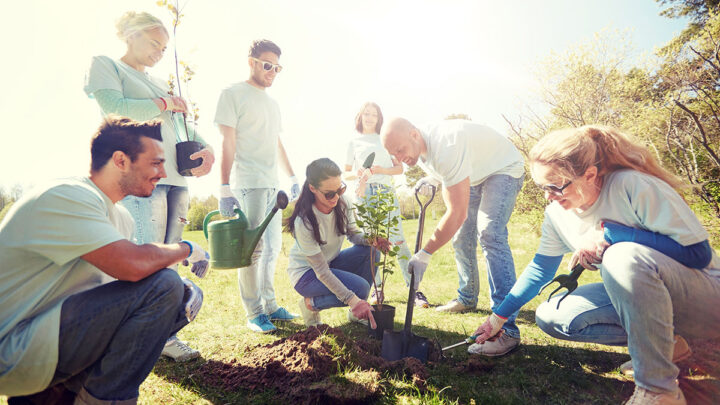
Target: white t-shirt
x=360, y=147
x=256, y=119
x=42, y=240
x=631, y=198
x=306, y=245
x=459, y=149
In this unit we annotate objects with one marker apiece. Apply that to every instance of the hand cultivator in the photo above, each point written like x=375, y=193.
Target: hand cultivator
x=568, y=281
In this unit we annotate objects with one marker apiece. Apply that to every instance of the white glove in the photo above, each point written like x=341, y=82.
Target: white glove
x=192, y=299
x=489, y=328
x=418, y=264
x=294, y=188
x=199, y=259
x=227, y=202
x=425, y=185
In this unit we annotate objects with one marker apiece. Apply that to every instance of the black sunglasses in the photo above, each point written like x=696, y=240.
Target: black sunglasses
x=329, y=195
x=553, y=189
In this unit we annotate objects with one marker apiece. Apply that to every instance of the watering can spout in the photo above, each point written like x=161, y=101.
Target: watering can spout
x=231, y=242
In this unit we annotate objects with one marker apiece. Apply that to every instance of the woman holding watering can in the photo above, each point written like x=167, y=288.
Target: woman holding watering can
x=614, y=206
x=323, y=274
x=378, y=179
x=123, y=87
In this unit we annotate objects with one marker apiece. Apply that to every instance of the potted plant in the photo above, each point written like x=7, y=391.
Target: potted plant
x=186, y=147
x=373, y=215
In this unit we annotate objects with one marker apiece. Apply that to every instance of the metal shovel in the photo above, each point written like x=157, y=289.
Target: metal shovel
x=398, y=345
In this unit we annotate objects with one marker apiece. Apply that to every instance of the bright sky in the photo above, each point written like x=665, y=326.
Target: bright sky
x=420, y=59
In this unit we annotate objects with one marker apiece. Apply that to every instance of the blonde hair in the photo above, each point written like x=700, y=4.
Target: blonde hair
x=572, y=151
x=132, y=22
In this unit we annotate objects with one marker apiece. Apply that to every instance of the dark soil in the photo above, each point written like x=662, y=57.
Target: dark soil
x=700, y=374
x=303, y=368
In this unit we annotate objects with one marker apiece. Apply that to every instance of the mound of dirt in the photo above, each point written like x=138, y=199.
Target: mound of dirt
x=700, y=374
x=303, y=367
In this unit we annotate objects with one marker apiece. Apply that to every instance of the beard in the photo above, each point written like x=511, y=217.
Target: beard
x=133, y=186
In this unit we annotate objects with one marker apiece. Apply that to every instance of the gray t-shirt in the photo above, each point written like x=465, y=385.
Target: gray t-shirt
x=305, y=244
x=42, y=240
x=459, y=149
x=256, y=119
x=631, y=198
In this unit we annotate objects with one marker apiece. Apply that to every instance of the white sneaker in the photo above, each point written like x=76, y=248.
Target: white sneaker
x=353, y=318
x=454, y=306
x=177, y=350
x=641, y=396
x=681, y=351
x=500, y=346
x=310, y=318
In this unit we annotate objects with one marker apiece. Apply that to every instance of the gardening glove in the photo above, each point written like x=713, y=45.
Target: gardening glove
x=192, y=299
x=362, y=310
x=426, y=185
x=199, y=259
x=294, y=189
x=227, y=202
x=489, y=328
x=175, y=104
x=418, y=264
x=208, y=158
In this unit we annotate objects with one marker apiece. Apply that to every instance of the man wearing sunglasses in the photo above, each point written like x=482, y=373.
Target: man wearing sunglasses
x=482, y=173
x=249, y=121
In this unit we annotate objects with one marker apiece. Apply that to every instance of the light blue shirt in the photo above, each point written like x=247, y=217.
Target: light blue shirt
x=256, y=119
x=632, y=198
x=108, y=74
x=41, y=241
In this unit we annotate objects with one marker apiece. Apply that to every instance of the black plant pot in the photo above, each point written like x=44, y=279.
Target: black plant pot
x=183, y=151
x=385, y=320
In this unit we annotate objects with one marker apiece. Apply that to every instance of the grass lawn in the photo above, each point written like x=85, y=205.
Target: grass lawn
x=542, y=371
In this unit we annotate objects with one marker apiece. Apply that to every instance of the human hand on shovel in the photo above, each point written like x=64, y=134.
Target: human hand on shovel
x=362, y=310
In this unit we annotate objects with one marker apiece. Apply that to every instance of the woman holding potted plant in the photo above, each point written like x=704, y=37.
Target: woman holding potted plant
x=123, y=87
x=323, y=274
x=378, y=179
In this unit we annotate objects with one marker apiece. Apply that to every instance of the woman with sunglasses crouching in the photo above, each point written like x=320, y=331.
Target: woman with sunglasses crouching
x=614, y=206
x=323, y=274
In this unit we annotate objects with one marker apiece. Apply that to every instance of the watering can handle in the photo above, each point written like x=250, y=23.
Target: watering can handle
x=210, y=215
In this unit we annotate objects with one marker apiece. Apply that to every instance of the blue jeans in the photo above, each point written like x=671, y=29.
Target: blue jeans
x=491, y=203
x=256, y=281
x=112, y=335
x=351, y=267
x=397, y=237
x=645, y=298
x=159, y=218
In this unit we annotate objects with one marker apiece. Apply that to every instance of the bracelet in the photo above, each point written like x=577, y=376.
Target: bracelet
x=164, y=103
x=189, y=245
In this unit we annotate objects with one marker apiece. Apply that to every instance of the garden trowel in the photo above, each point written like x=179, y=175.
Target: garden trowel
x=468, y=341
x=361, y=183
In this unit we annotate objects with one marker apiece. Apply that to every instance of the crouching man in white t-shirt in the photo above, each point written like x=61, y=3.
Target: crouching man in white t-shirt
x=65, y=326
x=482, y=173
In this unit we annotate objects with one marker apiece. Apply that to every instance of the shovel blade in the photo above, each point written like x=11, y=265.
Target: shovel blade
x=398, y=345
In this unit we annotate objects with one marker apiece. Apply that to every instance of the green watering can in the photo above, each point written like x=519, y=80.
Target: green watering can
x=230, y=241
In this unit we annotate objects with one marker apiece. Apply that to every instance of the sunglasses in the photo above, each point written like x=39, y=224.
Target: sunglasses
x=329, y=195
x=268, y=66
x=553, y=189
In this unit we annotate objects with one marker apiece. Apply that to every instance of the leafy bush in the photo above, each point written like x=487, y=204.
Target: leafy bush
x=199, y=210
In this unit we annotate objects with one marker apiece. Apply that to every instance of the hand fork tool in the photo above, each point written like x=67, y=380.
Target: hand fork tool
x=568, y=281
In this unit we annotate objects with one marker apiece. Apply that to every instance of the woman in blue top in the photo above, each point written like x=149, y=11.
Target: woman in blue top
x=614, y=206
x=123, y=87
x=378, y=179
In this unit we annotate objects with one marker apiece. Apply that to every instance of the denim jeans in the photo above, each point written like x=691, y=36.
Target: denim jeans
x=159, y=218
x=351, y=267
x=397, y=237
x=112, y=335
x=491, y=203
x=645, y=298
x=256, y=281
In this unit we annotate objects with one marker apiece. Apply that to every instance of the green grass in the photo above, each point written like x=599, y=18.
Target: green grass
x=543, y=370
